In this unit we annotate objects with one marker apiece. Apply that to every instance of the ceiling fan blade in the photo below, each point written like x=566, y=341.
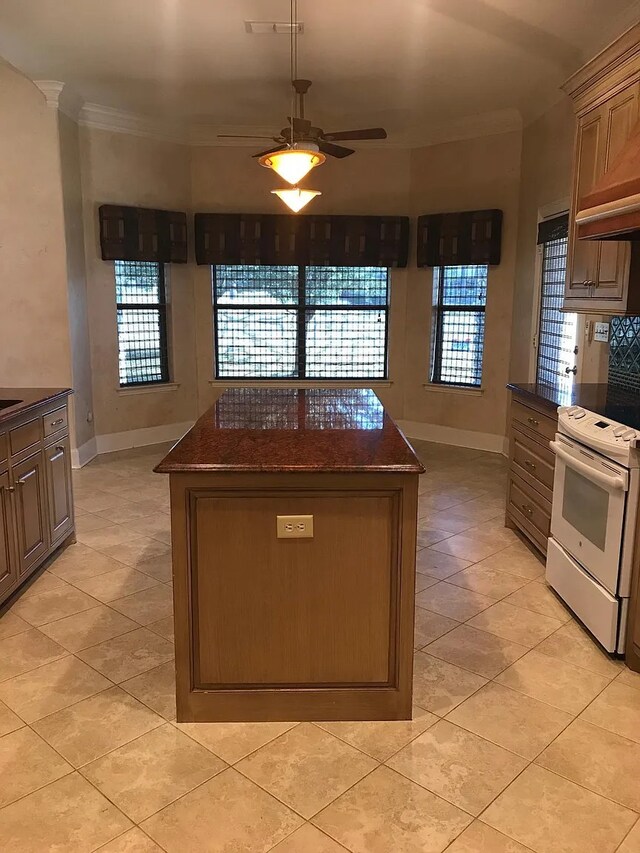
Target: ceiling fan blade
x=269, y=151
x=334, y=150
x=242, y=136
x=365, y=133
x=300, y=125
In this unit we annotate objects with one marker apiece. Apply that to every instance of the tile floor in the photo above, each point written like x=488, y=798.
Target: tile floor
x=525, y=736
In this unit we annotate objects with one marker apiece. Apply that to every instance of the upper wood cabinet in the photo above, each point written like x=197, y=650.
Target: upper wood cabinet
x=603, y=277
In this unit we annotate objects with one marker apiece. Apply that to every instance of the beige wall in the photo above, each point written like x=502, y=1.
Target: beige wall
x=33, y=277
x=125, y=169
x=465, y=175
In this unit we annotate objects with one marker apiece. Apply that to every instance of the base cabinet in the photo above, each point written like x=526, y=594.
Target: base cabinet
x=59, y=493
x=8, y=563
x=31, y=519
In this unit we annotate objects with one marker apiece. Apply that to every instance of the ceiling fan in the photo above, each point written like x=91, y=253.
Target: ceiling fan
x=301, y=131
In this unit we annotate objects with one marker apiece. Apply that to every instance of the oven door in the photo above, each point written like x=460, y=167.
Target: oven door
x=587, y=518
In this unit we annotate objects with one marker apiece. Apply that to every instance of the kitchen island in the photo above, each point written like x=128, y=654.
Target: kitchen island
x=293, y=517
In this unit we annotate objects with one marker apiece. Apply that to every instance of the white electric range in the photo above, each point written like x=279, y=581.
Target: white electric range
x=593, y=522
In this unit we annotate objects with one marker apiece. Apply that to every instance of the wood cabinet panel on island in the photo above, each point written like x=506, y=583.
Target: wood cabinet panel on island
x=36, y=497
x=275, y=627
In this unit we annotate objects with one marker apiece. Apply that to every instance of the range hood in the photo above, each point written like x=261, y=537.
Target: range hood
x=611, y=211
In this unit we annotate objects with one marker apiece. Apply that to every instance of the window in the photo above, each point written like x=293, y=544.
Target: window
x=290, y=322
x=142, y=323
x=557, y=331
x=459, y=300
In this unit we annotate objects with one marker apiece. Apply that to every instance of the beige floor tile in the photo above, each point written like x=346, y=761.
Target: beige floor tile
x=88, y=522
x=308, y=839
x=631, y=844
x=429, y=535
x=510, y=719
x=458, y=766
x=540, y=598
x=152, y=771
x=97, y=500
x=156, y=526
x=468, y=547
x=448, y=520
x=141, y=550
x=547, y=813
x=381, y=740
x=49, y=688
x=387, y=812
x=73, y=566
x=514, y=623
x=306, y=768
x=480, y=838
x=439, y=686
x=9, y=721
x=107, y=537
x=489, y=582
x=116, y=584
x=10, y=625
x=127, y=510
x=553, y=681
x=71, y=816
x=597, y=759
x=164, y=627
x=453, y=601
x=88, y=628
x=424, y=582
x=475, y=650
x=28, y=650
x=91, y=728
x=616, y=709
x=133, y=841
x=45, y=582
x=146, y=606
x=49, y=606
x=156, y=689
x=129, y=655
x=627, y=676
x=573, y=644
x=429, y=626
x=517, y=559
x=26, y=764
x=227, y=813
x=437, y=565
x=495, y=530
x=234, y=741
x=158, y=567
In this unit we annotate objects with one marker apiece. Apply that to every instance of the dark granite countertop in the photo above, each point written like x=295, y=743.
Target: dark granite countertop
x=289, y=429
x=609, y=401
x=29, y=398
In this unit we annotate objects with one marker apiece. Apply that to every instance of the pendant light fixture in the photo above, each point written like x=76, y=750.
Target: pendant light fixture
x=299, y=158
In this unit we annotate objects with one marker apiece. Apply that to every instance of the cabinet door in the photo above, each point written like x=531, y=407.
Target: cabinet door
x=619, y=116
x=582, y=261
x=59, y=500
x=8, y=564
x=31, y=513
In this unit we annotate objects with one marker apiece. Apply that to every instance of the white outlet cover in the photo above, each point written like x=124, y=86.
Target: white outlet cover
x=601, y=332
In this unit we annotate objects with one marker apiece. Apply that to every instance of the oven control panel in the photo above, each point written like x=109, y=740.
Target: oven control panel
x=610, y=438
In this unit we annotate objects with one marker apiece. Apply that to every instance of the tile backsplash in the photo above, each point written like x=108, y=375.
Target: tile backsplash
x=624, y=353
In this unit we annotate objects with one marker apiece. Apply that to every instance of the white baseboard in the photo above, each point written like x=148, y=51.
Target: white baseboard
x=80, y=456
x=457, y=437
x=141, y=437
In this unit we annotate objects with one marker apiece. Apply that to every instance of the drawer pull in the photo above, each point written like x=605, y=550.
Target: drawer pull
x=26, y=477
x=529, y=464
x=56, y=423
x=526, y=508
x=533, y=422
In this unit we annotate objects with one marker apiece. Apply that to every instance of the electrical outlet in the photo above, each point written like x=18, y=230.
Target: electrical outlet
x=294, y=526
x=601, y=332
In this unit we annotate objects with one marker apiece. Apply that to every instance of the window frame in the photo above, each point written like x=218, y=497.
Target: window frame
x=439, y=311
x=301, y=308
x=161, y=308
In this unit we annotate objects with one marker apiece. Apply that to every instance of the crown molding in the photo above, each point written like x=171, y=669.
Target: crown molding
x=119, y=121
x=469, y=127
x=61, y=97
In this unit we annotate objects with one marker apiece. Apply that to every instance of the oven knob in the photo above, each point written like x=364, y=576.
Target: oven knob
x=618, y=431
x=628, y=435
x=579, y=414
x=573, y=410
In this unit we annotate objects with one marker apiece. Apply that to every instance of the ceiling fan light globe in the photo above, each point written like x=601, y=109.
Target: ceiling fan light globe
x=295, y=198
x=293, y=163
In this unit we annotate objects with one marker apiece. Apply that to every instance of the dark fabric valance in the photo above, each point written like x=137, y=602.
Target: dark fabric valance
x=468, y=237
x=349, y=241
x=553, y=229
x=142, y=234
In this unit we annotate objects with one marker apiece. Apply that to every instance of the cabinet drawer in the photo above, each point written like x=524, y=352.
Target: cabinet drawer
x=533, y=421
x=24, y=436
x=524, y=503
x=533, y=462
x=54, y=421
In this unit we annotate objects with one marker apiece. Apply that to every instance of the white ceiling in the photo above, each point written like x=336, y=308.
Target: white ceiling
x=409, y=65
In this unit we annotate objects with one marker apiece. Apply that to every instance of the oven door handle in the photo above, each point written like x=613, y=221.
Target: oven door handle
x=609, y=481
